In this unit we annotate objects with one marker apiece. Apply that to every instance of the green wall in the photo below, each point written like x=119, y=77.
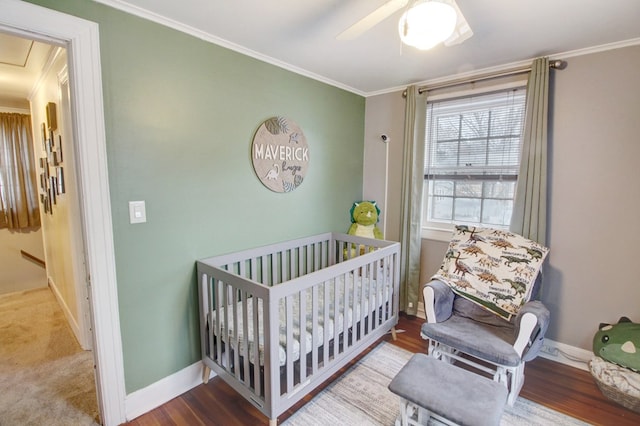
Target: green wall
x=180, y=116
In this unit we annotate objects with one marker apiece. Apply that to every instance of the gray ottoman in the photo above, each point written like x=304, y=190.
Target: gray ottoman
x=446, y=392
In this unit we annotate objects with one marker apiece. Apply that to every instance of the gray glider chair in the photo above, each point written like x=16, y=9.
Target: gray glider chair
x=458, y=329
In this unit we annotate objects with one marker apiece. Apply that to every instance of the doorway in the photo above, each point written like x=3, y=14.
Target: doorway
x=45, y=315
x=81, y=38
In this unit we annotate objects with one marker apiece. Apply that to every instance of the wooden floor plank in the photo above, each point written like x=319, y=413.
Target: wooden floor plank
x=562, y=388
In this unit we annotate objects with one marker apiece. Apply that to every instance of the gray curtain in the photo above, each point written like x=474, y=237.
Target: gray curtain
x=18, y=182
x=411, y=208
x=529, y=217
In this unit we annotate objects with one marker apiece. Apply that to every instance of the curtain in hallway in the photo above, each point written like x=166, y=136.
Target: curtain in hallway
x=411, y=207
x=19, y=208
x=529, y=217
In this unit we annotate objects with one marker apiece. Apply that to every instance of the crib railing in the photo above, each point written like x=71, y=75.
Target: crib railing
x=273, y=343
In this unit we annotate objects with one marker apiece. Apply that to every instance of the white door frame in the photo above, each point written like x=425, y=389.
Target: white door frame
x=82, y=41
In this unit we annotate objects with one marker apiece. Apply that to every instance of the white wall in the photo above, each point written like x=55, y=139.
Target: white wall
x=594, y=194
x=61, y=230
x=16, y=272
x=594, y=191
x=384, y=115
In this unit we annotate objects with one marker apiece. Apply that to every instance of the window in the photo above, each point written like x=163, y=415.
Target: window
x=472, y=158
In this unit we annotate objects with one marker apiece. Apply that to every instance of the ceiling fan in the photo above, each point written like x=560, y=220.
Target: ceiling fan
x=418, y=17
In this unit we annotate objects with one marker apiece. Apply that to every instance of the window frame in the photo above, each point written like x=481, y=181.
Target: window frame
x=440, y=231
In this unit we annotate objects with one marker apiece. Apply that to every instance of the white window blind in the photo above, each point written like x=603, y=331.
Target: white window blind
x=472, y=158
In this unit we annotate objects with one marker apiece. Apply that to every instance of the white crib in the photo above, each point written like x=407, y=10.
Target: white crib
x=277, y=321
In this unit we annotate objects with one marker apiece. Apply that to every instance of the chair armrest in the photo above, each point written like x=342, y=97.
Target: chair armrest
x=438, y=301
x=531, y=325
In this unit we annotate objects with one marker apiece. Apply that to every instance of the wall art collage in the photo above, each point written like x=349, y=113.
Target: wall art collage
x=52, y=183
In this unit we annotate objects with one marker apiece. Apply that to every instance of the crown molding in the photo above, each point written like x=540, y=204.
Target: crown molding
x=203, y=35
x=471, y=74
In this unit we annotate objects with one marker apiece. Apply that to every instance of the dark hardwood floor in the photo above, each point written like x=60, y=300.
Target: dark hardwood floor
x=557, y=386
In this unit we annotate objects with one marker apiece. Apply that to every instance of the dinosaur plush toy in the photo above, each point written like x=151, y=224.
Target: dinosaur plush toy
x=619, y=343
x=364, y=219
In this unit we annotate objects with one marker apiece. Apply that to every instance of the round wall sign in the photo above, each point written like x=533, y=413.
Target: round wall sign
x=280, y=154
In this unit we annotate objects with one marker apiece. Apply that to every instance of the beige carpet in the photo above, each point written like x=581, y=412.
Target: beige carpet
x=45, y=377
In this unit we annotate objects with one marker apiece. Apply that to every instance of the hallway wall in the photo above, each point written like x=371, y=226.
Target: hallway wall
x=16, y=272
x=61, y=230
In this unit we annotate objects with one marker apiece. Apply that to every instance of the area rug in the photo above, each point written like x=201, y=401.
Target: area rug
x=45, y=376
x=361, y=397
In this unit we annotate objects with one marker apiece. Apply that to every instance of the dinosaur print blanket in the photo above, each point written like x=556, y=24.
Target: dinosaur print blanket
x=494, y=268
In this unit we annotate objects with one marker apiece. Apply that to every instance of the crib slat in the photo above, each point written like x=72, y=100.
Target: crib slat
x=256, y=345
x=294, y=264
x=236, y=331
x=300, y=260
x=345, y=311
x=303, y=335
x=253, y=274
x=226, y=361
x=364, y=291
x=316, y=257
x=378, y=283
x=327, y=318
x=315, y=330
x=245, y=336
x=264, y=278
x=289, y=341
x=387, y=310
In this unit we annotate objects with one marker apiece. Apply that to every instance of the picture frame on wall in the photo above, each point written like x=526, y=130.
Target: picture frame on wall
x=45, y=202
x=43, y=181
x=61, y=186
x=52, y=139
x=52, y=120
x=52, y=191
x=43, y=128
x=60, y=147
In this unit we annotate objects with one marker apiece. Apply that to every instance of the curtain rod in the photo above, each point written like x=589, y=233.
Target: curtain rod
x=557, y=64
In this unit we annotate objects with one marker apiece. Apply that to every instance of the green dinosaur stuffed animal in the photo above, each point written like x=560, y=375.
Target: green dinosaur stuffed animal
x=364, y=219
x=619, y=343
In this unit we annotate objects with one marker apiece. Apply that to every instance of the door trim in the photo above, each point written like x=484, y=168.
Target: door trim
x=81, y=37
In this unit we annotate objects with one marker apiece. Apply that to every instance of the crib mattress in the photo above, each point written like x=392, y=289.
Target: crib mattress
x=376, y=293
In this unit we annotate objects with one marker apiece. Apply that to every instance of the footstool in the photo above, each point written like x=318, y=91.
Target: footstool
x=446, y=392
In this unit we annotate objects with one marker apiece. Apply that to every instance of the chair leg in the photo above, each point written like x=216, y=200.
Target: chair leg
x=441, y=352
x=517, y=380
x=206, y=372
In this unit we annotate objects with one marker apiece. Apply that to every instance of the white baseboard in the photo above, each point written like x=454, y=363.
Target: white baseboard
x=73, y=323
x=566, y=354
x=162, y=391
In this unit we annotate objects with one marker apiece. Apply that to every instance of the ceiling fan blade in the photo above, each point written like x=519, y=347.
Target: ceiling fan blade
x=462, y=31
x=372, y=19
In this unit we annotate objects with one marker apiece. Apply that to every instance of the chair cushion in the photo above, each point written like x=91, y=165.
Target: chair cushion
x=488, y=342
x=450, y=392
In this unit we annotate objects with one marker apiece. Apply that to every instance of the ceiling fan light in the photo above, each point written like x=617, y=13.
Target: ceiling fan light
x=427, y=24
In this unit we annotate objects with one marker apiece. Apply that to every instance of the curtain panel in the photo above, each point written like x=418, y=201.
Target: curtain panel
x=411, y=204
x=19, y=209
x=529, y=217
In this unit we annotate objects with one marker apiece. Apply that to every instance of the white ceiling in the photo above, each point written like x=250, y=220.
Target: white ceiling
x=300, y=35
x=21, y=63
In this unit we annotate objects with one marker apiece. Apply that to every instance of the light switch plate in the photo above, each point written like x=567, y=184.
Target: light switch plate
x=137, y=212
